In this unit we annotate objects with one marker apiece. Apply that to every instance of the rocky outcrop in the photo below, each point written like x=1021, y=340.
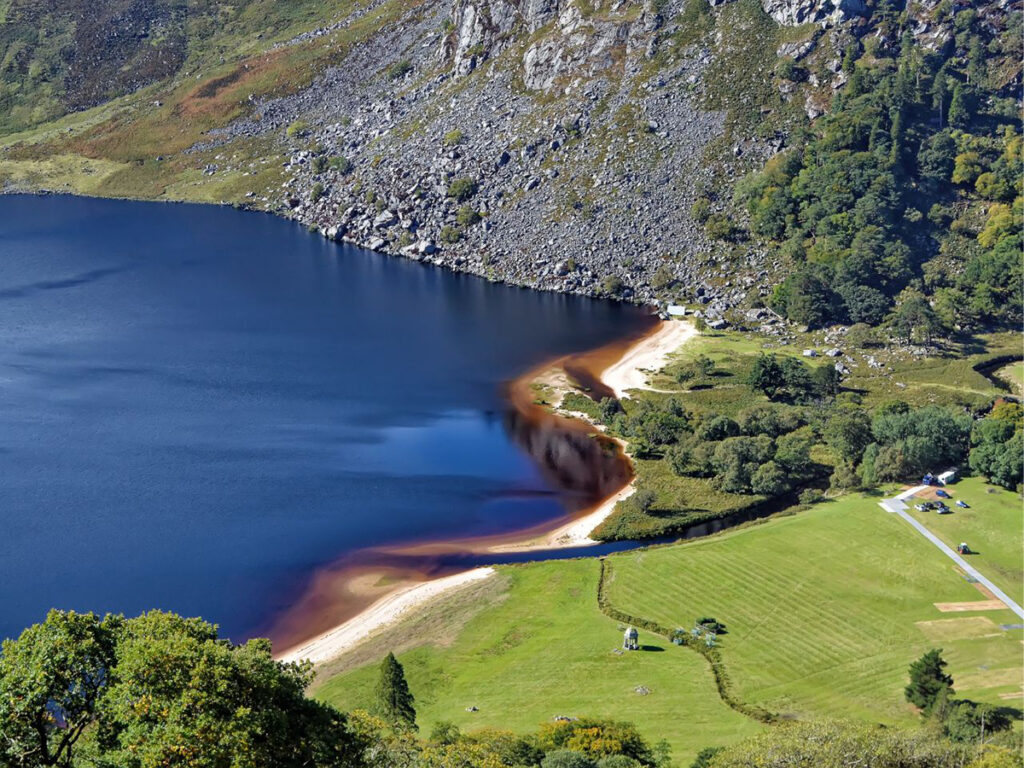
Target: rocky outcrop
x=576, y=42
x=792, y=13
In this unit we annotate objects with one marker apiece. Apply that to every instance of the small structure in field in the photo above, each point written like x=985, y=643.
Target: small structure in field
x=947, y=477
x=631, y=640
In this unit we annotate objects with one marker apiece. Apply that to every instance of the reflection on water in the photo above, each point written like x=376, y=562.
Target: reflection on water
x=200, y=408
x=584, y=466
x=581, y=469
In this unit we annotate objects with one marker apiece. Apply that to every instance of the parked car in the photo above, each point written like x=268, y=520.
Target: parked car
x=942, y=494
x=921, y=507
x=942, y=509
x=963, y=504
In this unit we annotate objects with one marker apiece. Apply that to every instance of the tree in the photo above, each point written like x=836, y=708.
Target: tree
x=915, y=315
x=596, y=739
x=848, y=433
x=766, y=376
x=643, y=499
x=793, y=455
x=769, y=480
x=566, y=758
x=160, y=690
x=997, y=449
x=51, y=679
x=394, y=700
x=717, y=428
x=180, y=695
x=928, y=681
x=959, y=109
x=868, y=471
x=969, y=722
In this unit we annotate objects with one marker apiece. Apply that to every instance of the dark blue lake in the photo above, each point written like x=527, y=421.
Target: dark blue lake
x=199, y=406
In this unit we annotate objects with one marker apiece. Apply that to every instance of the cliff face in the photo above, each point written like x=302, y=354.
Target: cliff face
x=571, y=43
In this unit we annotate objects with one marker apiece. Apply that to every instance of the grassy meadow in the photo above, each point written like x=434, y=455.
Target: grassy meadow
x=546, y=650
x=826, y=608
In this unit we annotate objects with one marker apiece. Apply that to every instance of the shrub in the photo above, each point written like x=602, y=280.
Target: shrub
x=466, y=216
x=566, y=758
x=316, y=192
x=450, y=235
x=462, y=189
x=720, y=227
x=643, y=499
x=809, y=496
x=319, y=164
x=701, y=209
x=612, y=285
x=452, y=138
x=340, y=164
x=399, y=69
x=787, y=69
x=297, y=128
x=862, y=336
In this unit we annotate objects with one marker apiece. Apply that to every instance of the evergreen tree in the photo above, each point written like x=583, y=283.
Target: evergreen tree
x=959, y=109
x=940, y=93
x=394, y=700
x=928, y=681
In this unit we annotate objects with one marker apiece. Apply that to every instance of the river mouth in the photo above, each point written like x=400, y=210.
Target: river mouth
x=201, y=408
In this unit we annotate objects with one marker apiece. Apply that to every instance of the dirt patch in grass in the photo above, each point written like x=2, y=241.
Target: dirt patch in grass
x=976, y=605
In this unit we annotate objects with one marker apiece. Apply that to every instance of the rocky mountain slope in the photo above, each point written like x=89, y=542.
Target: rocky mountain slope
x=587, y=146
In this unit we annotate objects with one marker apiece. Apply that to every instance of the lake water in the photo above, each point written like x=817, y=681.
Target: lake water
x=200, y=407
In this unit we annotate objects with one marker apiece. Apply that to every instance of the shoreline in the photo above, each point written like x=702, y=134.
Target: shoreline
x=615, y=368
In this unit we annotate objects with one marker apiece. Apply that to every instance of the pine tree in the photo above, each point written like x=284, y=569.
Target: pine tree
x=929, y=684
x=959, y=109
x=394, y=700
x=940, y=93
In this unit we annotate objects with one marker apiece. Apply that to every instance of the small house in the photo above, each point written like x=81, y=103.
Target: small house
x=947, y=477
x=630, y=641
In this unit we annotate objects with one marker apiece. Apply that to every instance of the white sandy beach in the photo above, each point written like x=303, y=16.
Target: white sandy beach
x=648, y=355
x=630, y=372
x=382, y=613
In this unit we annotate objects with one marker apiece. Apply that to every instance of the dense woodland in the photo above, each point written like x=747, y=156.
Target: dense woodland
x=903, y=204
x=773, y=428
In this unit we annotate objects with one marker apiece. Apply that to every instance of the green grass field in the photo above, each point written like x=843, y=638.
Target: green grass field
x=1013, y=374
x=546, y=650
x=992, y=527
x=825, y=610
